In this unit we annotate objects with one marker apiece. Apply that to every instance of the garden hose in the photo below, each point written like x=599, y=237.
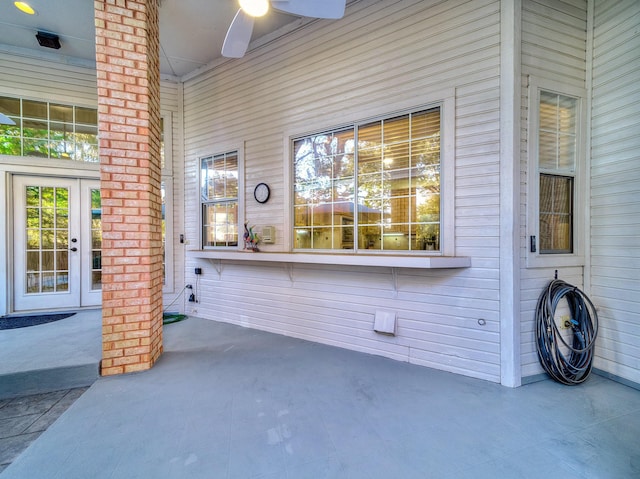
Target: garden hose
x=552, y=347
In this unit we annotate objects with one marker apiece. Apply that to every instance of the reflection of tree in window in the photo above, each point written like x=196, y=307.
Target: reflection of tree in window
x=398, y=185
x=49, y=130
x=219, y=197
x=96, y=239
x=47, y=234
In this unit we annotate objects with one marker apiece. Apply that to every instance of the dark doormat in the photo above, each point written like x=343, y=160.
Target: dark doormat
x=14, y=322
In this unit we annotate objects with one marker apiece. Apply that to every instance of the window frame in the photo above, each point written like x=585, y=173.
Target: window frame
x=167, y=179
x=239, y=151
x=21, y=118
x=445, y=100
x=537, y=259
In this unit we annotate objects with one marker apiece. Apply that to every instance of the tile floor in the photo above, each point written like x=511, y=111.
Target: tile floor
x=226, y=402
x=23, y=419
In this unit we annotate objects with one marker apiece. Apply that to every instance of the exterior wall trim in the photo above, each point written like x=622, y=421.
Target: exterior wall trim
x=510, y=58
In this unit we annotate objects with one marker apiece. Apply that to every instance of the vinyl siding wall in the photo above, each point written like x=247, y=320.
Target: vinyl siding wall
x=615, y=186
x=381, y=58
x=41, y=79
x=554, y=37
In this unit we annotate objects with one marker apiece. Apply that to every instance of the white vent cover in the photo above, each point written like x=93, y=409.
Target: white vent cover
x=385, y=322
x=269, y=234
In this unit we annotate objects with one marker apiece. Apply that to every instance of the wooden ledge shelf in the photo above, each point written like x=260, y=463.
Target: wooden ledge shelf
x=390, y=261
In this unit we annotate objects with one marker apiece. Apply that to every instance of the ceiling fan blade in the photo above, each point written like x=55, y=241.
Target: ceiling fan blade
x=238, y=36
x=310, y=8
x=5, y=120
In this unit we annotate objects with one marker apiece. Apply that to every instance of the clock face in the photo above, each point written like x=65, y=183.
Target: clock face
x=261, y=193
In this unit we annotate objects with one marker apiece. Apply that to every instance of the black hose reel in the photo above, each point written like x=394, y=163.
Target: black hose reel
x=566, y=360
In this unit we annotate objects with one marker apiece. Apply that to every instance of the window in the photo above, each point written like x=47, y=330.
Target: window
x=49, y=130
x=219, y=199
x=96, y=239
x=166, y=190
x=373, y=186
x=555, y=168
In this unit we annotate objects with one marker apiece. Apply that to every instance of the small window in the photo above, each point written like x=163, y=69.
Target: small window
x=374, y=186
x=556, y=169
x=219, y=199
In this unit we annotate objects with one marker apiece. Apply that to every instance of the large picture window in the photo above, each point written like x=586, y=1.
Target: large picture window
x=49, y=130
x=219, y=199
x=374, y=186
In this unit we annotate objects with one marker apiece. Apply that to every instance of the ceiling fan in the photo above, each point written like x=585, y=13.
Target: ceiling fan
x=239, y=33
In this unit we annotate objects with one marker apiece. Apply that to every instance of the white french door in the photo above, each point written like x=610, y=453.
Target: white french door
x=57, y=242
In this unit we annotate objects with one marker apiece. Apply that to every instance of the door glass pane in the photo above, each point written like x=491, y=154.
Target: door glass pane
x=33, y=239
x=96, y=279
x=46, y=239
x=48, y=260
x=48, y=215
x=33, y=261
x=33, y=196
x=62, y=257
x=62, y=281
x=48, y=282
x=33, y=283
x=96, y=239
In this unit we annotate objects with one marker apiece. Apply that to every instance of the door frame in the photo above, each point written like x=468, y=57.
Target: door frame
x=80, y=262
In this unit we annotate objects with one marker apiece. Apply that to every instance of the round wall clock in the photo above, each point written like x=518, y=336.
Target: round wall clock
x=261, y=193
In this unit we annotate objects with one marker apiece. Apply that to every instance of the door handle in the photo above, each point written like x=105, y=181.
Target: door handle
x=73, y=249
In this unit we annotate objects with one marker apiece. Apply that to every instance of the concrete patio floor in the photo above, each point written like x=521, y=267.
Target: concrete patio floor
x=229, y=402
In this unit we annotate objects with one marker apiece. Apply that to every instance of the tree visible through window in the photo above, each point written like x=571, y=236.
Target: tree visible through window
x=373, y=186
x=49, y=130
x=219, y=199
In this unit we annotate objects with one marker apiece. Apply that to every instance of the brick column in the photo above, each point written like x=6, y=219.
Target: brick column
x=127, y=62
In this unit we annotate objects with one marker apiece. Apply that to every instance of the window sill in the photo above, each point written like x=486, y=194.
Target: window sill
x=390, y=261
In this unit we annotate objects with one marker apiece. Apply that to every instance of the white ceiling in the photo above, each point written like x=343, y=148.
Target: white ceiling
x=191, y=31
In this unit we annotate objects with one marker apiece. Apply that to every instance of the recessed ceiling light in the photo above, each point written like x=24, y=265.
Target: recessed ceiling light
x=25, y=7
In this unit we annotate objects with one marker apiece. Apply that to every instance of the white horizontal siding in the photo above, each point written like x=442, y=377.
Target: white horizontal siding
x=553, y=48
x=39, y=79
x=615, y=181
x=532, y=286
x=554, y=40
x=383, y=57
